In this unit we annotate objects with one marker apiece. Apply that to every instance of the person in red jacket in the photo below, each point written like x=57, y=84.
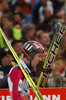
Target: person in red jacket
x=18, y=85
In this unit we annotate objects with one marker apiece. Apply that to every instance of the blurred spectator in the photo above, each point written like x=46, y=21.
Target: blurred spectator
x=47, y=13
x=25, y=7
x=3, y=5
x=25, y=18
x=7, y=20
x=46, y=24
x=17, y=45
x=17, y=25
x=17, y=34
x=58, y=71
x=9, y=34
x=37, y=35
x=44, y=3
x=36, y=7
x=17, y=17
x=18, y=6
x=60, y=14
x=28, y=31
x=58, y=4
x=6, y=62
x=43, y=37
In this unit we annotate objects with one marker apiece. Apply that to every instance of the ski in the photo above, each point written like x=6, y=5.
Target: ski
x=23, y=68
x=60, y=31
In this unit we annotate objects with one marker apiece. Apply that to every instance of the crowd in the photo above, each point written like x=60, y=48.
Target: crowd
x=25, y=20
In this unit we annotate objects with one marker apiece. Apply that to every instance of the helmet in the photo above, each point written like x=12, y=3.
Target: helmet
x=30, y=49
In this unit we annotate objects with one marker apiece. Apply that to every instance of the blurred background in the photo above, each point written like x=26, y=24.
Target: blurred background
x=25, y=20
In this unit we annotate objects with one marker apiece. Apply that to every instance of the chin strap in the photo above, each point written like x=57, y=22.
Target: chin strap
x=30, y=63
